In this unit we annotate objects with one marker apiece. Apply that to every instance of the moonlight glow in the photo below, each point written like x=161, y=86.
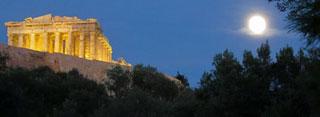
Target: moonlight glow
x=257, y=25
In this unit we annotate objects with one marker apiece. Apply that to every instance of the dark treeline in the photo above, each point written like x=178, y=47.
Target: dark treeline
x=257, y=86
x=287, y=87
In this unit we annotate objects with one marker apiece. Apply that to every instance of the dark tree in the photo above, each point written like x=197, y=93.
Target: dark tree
x=119, y=80
x=153, y=82
x=303, y=16
x=183, y=79
x=3, y=61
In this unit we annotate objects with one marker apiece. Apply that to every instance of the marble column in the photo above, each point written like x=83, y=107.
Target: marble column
x=81, y=45
x=98, y=51
x=20, y=40
x=10, y=38
x=108, y=54
x=57, y=42
x=69, y=43
x=103, y=52
x=92, y=45
x=32, y=41
x=45, y=42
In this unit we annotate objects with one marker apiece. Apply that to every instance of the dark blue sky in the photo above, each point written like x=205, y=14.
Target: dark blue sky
x=172, y=35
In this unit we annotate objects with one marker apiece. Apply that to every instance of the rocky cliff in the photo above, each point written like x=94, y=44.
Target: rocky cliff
x=92, y=69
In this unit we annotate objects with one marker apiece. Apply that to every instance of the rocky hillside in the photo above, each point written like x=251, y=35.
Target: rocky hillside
x=92, y=69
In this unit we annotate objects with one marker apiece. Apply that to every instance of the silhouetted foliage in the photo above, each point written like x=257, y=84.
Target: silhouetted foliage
x=303, y=16
x=42, y=92
x=119, y=80
x=153, y=82
x=258, y=86
x=229, y=89
x=183, y=79
x=3, y=61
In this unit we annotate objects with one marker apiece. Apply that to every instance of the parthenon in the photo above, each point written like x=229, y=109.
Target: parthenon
x=65, y=35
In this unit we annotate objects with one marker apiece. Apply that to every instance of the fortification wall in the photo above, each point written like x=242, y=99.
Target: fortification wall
x=92, y=69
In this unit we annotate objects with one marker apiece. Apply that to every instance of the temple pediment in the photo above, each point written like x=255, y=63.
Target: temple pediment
x=43, y=18
x=49, y=18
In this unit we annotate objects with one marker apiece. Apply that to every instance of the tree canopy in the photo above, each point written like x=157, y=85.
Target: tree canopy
x=303, y=17
x=258, y=86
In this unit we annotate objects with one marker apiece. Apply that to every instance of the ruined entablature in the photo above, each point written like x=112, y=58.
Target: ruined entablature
x=47, y=23
x=49, y=19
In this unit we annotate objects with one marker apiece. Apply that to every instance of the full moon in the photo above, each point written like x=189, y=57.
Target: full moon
x=257, y=25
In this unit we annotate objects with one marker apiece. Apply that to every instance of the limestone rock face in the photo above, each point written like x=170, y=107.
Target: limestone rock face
x=92, y=69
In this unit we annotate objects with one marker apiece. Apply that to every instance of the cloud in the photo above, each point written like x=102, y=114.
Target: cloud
x=269, y=32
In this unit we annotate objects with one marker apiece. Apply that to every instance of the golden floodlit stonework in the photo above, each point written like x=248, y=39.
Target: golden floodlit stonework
x=66, y=35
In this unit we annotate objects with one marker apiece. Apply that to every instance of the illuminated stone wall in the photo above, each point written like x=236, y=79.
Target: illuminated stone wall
x=92, y=69
x=66, y=35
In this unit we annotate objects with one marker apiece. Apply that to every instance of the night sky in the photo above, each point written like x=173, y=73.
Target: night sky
x=172, y=35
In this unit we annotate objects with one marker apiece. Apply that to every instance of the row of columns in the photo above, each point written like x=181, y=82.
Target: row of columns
x=98, y=51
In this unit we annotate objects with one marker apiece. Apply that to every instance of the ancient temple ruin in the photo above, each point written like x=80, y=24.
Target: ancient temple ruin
x=66, y=35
